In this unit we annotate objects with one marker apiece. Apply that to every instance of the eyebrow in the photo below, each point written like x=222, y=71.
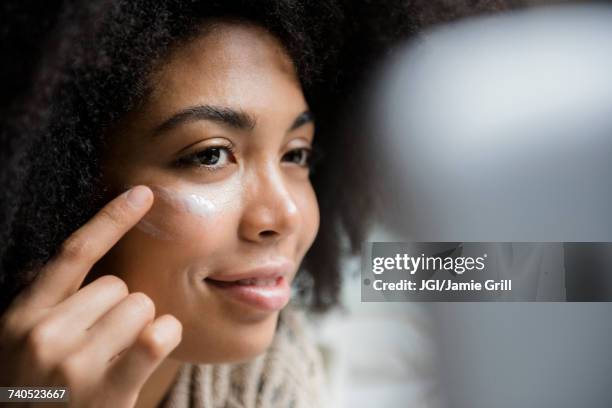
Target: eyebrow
x=234, y=118
x=231, y=117
x=302, y=119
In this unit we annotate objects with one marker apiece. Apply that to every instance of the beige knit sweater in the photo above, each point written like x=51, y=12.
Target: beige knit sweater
x=289, y=374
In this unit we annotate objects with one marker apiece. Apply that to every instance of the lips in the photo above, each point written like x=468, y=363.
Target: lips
x=264, y=288
x=259, y=282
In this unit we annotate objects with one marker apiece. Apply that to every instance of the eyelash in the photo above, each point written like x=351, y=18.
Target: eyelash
x=193, y=159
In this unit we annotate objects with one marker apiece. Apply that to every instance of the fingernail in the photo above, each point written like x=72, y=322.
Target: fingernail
x=138, y=196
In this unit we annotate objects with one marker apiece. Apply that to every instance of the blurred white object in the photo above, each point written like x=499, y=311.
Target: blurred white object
x=500, y=128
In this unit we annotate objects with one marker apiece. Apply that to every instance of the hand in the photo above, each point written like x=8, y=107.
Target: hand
x=100, y=341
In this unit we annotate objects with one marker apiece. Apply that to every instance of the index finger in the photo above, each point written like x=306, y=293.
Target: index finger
x=65, y=272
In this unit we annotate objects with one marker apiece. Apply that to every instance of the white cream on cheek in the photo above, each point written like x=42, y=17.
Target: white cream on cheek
x=202, y=203
x=192, y=202
x=198, y=205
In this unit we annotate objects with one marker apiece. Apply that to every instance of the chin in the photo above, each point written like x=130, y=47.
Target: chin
x=226, y=342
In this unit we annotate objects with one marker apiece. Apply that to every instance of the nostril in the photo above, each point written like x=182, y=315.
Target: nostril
x=267, y=234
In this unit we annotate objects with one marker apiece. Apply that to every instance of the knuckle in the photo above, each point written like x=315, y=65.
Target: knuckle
x=152, y=345
x=9, y=327
x=75, y=247
x=40, y=340
x=114, y=284
x=69, y=370
x=142, y=303
x=114, y=215
x=158, y=342
x=176, y=328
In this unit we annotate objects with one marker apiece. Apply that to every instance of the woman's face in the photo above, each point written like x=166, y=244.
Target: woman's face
x=223, y=141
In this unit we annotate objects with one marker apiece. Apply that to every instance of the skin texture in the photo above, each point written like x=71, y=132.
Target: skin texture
x=124, y=301
x=259, y=205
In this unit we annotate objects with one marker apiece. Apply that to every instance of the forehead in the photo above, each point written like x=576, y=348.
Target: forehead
x=229, y=64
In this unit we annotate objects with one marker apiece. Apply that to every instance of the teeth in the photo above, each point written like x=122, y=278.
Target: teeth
x=256, y=282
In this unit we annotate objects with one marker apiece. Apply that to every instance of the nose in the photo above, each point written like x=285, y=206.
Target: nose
x=270, y=212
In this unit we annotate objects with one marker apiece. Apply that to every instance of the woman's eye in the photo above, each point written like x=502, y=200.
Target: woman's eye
x=209, y=157
x=298, y=156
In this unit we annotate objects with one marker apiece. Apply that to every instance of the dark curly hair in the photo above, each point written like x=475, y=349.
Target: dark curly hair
x=71, y=69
